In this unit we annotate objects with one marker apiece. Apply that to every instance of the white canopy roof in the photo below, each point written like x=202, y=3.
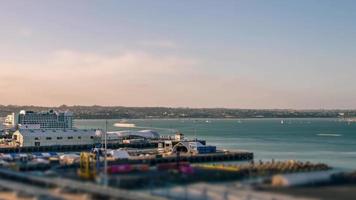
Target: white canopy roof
x=144, y=133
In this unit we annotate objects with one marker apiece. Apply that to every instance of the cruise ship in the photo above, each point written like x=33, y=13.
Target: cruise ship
x=42, y=120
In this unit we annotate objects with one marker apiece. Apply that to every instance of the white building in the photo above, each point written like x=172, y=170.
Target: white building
x=53, y=137
x=10, y=120
x=179, y=136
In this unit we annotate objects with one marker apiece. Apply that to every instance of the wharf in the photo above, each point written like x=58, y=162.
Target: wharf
x=154, y=160
x=213, y=173
x=211, y=157
x=70, y=148
x=267, y=168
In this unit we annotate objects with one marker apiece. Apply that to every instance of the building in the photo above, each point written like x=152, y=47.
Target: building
x=54, y=137
x=194, y=147
x=44, y=120
x=10, y=120
x=179, y=136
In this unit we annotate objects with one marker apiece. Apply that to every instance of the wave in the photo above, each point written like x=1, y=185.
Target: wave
x=328, y=135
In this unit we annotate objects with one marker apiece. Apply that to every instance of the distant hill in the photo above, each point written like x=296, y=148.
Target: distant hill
x=117, y=112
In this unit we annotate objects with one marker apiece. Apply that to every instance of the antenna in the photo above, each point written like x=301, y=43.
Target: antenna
x=195, y=129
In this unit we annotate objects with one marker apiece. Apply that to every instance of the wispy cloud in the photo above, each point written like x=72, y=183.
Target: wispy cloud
x=76, y=77
x=167, y=44
x=125, y=63
x=25, y=32
x=141, y=78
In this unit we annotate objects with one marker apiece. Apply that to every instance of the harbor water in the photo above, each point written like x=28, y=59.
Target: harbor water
x=331, y=141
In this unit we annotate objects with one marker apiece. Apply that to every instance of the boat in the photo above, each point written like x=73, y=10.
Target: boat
x=124, y=125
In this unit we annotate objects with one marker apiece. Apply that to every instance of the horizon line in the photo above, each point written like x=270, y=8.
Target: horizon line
x=182, y=107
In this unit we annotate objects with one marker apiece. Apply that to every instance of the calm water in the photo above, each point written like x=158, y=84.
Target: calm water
x=318, y=140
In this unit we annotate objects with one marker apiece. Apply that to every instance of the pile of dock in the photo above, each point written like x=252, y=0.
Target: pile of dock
x=345, y=178
x=266, y=168
x=197, y=158
x=211, y=173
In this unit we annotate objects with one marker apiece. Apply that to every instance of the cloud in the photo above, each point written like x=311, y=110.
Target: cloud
x=82, y=64
x=130, y=78
x=128, y=63
x=76, y=77
x=142, y=78
x=25, y=32
x=166, y=44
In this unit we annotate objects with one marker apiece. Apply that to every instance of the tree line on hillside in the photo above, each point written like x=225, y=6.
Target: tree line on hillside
x=119, y=112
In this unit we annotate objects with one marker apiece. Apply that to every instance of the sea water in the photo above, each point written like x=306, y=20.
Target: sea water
x=330, y=141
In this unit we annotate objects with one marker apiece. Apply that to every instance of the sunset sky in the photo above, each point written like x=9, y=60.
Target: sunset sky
x=236, y=54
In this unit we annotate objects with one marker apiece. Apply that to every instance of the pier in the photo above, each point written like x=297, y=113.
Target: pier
x=266, y=168
x=211, y=173
x=71, y=148
x=199, y=158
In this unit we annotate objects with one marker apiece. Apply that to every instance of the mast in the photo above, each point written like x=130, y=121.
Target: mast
x=105, y=155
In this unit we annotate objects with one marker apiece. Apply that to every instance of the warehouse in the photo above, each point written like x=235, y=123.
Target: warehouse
x=54, y=137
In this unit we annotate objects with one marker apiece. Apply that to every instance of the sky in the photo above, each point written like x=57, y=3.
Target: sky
x=202, y=53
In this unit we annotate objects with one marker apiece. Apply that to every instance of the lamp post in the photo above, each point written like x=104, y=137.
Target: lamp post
x=105, y=155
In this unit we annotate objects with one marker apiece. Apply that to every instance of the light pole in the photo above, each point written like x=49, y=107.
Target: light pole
x=105, y=155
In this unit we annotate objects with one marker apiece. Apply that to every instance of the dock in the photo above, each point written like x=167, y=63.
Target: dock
x=71, y=148
x=267, y=168
x=199, y=158
x=211, y=173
